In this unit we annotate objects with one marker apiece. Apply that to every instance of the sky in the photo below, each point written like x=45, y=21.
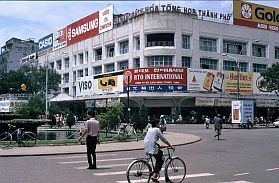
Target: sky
x=36, y=19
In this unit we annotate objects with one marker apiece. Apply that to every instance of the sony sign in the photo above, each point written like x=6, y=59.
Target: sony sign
x=84, y=86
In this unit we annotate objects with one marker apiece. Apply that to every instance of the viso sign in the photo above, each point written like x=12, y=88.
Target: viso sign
x=256, y=16
x=84, y=86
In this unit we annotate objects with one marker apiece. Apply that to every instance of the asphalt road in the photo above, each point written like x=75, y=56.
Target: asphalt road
x=240, y=156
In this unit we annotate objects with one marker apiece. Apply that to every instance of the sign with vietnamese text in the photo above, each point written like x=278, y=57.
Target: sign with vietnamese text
x=106, y=19
x=60, y=39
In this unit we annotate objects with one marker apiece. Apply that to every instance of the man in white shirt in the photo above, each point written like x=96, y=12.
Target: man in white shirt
x=91, y=129
x=151, y=146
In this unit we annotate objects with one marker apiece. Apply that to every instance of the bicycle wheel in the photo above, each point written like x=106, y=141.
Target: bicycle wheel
x=175, y=170
x=139, y=171
x=28, y=139
x=5, y=139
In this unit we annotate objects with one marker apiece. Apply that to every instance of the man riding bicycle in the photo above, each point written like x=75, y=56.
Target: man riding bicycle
x=151, y=146
x=217, y=124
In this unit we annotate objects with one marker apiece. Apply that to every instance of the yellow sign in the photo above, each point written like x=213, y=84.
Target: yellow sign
x=107, y=82
x=245, y=82
x=255, y=15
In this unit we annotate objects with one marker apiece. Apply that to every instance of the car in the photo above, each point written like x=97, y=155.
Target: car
x=276, y=123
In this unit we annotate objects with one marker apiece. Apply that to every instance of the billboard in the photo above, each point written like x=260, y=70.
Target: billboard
x=106, y=85
x=84, y=86
x=241, y=110
x=245, y=82
x=155, y=79
x=46, y=42
x=60, y=39
x=255, y=15
x=106, y=19
x=83, y=29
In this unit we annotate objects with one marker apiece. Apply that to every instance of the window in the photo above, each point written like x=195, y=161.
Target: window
x=123, y=65
x=86, y=72
x=276, y=52
x=66, y=78
x=58, y=65
x=159, y=61
x=80, y=58
x=160, y=39
x=98, y=54
x=259, y=67
x=124, y=47
x=109, y=68
x=186, y=41
x=97, y=70
x=110, y=51
x=67, y=63
x=136, y=62
x=259, y=50
x=208, y=44
x=208, y=63
x=74, y=76
x=66, y=90
x=75, y=60
x=74, y=91
x=137, y=43
x=231, y=66
x=234, y=47
x=86, y=57
x=186, y=62
x=80, y=73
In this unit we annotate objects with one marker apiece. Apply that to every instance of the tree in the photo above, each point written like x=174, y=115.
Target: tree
x=33, y=108
x=140, y=118
x=33, y=78
x=270, y=81
x=70, y=120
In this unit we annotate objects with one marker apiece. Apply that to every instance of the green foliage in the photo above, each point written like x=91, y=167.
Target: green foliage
x=111, y=119
x=33, y=78
x=140, y=118
x=270, y=82
x=70, y=120
x=33, y=108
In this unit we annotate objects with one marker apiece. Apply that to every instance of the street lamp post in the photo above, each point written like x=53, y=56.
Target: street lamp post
x=128, y=102
x=237, y=69
x=46, y=109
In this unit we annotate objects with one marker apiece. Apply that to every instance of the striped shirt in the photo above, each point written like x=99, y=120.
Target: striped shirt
x=93, y=127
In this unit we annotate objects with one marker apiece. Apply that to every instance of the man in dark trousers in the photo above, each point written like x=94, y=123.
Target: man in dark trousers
x=91, y=129
x=217, y=124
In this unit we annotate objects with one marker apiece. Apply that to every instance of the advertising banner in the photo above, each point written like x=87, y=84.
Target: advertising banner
x=245, y=82
x=255, y=15
x=60, y=39
x=241, y=110
x=106, y=19
x=205, y=80
x=84, y=86
x=83, y=29
x=46, y=42
x=204, y=101
x=106, y=85
x=156, y=79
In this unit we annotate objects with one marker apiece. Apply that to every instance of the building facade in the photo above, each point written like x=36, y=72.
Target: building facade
x=166, y=40
x=13, y=51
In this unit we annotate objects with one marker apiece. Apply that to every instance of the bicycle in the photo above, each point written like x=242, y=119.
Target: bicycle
x=26, y=138
x=141, y=170
x=123, y=132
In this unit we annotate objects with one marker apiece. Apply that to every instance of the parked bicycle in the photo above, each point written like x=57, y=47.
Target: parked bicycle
x=141, y=170
x=127, y=131
x=26, y=138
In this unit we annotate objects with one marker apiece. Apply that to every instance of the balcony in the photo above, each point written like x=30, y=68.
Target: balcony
x=160, y=43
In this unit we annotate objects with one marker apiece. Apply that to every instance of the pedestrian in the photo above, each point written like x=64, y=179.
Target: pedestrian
x=217, y=124
x=249, y=122
x=207, y=122
x=152, y=147
x=91, y=129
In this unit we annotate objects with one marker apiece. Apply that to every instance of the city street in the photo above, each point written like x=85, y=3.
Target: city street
x=240, y=156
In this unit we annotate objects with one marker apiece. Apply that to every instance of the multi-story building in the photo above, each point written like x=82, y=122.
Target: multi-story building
x=13, y=51
x=169, y=39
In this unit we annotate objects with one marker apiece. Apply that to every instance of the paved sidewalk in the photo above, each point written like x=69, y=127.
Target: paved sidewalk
x=174, y=138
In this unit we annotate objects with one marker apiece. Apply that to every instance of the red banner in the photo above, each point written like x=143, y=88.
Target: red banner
x=155, y=76
x=83, y=29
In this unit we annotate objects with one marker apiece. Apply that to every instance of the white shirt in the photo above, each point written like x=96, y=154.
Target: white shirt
x=151, y=138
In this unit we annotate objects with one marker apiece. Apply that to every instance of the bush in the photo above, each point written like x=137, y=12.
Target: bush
x=70, y=120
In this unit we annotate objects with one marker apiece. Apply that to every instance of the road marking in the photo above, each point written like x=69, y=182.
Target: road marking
x=171, y=177
x=104, y=166
x=241, y=174
x=81, y=156
x=272, y=169
x=103, y=160
x=241, y=181
x=123, y=172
